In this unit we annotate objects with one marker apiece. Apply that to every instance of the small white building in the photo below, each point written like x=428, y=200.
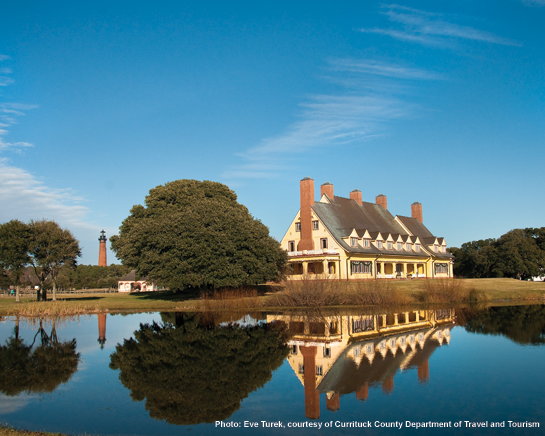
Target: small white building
x=130, y=284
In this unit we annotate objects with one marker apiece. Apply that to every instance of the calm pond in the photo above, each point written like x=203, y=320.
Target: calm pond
x=459, y=370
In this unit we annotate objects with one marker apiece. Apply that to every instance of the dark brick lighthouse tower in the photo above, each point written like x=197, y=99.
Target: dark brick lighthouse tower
x=102, y=250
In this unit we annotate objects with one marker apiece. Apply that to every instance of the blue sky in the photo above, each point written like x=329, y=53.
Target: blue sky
x=431, y=101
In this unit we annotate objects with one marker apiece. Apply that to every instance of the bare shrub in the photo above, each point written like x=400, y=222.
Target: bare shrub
x=376, y=292
x=310, y=291
x=227, y=298
x=448, y=291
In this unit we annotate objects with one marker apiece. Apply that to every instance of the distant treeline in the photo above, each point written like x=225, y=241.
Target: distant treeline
x=518, y=254
x=80, y=277
x=92, y=276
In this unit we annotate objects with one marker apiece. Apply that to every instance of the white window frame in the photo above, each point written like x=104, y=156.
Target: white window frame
x=353, y=242
x=366, y=243
x=298, y=226
x=315, y=225
x=379, y=244
x=417, y=247
x=390, y=245
x=408, y=246
x=400, y=246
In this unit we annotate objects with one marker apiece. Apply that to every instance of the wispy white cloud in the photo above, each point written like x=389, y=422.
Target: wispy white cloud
x=4, y=57
x=8, y=114
x=431, y=29
x=537, y=3
x=356, y=114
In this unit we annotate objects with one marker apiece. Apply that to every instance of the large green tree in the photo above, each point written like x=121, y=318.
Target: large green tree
x=196, y=234
x=190, y=370
x=51, y=248
x=520, y=254
x=15, y=237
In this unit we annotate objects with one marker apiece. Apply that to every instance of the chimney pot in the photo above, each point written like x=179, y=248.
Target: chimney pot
x=416, y=211
x=356, y=196
x=382, y=201
x=327, y=188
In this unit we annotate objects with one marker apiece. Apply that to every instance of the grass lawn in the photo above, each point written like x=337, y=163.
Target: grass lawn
x=71, y=304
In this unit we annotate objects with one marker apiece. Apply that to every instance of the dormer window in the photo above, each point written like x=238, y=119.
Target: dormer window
x=408, y=246
x=366, y=243
x=399, y=246
x=443, y=249
x=379, y=244
x=353, y=242
x=416, y=247
x=297, y=227
x=390, y=245
x=436, y=248
x=315, y=225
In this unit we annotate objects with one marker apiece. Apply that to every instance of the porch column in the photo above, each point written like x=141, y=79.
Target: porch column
x=394, y=269
x=404, y=270
x=305, y=267
x=325, y=270
x=382, y=269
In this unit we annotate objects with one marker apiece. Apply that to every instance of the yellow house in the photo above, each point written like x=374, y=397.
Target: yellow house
x=347, y=238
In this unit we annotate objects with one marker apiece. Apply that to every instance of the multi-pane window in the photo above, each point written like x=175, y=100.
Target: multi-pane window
x=361, y=267
x=366, y=243
x=441, y=268
x=416, y=247
x=297, y=227
x=390, y=245
x=408, y=246
x=363, y=324
x=379, y=244
x=399, y=246
x=319, y=370
x=315, y=225
x=444, y=249
x=353, y=242
x=301, y=368
x=436, y=248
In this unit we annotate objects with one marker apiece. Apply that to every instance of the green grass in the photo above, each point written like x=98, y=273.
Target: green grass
x=408, y=290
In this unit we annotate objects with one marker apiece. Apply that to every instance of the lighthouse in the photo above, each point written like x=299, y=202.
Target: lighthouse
x=102, y=250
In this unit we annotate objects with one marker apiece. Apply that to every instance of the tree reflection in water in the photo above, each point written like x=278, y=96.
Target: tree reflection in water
x=522, y=324
x=190, y=369
x=41, y=369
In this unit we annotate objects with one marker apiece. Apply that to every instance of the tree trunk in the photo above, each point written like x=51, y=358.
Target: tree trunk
x=38, y=294
x=54, y=291
x=44, y=294
x=17, y=294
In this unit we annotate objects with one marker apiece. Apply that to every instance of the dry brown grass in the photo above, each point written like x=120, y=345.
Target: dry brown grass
x=229, y=299
x=8, y=431
x=310, y=291
x=320, y=291
x=52, y=309
x=376, y=292
x=448, y=291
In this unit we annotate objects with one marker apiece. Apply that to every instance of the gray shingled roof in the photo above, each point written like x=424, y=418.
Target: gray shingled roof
x=344, y=215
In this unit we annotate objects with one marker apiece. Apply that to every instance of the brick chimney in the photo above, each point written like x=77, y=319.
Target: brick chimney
x=333, y=403
x=307, y=201
x=102, y=250
x=388, y=385
x=312, y=396
x=424, y=372
x=356, y=195
x=363, y=393
x=326, y=188
x=381, y=199
x=416, y=211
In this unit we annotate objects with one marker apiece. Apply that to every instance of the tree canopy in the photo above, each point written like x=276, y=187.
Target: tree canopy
x=520, y=253
x=41, y=369
x=190, y=371
x=196, y=234
x=15, y=238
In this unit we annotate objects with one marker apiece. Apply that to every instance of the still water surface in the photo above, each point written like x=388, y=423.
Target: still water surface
x=168, y=373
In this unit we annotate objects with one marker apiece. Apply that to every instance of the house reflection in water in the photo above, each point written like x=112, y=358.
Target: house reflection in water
x=344, y=354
